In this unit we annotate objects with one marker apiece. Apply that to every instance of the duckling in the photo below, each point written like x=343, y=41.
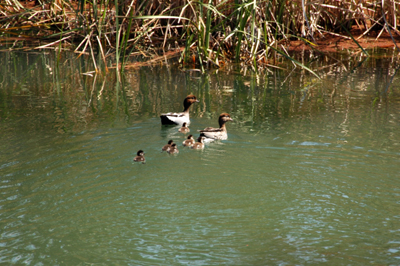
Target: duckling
x=167, y=147
x=173, y=149
x=140, y=157
x=189, y=141
x=184, y=128
x=179, y=118
x=199, y=144
x=211, y=133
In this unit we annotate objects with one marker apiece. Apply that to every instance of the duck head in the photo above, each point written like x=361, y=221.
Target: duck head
x=223, y=118
x=189, y=100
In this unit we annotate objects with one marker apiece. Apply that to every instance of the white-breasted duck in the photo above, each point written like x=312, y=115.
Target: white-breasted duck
x=173, y=149
x=179, y=118
x=189, y=141
x=184, y=128
x=167, y=147
x=199, y=144
x=140, y=157
x=220, y=133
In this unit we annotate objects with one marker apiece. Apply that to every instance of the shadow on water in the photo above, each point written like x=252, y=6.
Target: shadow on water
x=309, y=174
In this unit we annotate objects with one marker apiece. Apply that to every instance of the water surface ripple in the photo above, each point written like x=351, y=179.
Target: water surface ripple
x=305, y=178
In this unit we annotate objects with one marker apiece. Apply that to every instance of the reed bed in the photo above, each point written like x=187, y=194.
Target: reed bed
x=206, y=33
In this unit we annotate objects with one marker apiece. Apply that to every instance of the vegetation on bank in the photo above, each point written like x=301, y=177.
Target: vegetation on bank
x=208, y=33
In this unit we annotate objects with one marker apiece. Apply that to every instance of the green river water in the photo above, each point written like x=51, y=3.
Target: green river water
x=310, y=173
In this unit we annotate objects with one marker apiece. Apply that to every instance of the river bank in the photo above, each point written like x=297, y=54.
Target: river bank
x=216, y=34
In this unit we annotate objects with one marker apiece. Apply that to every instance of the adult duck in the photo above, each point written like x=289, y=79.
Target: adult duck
x=211, y=133
x=179, y=118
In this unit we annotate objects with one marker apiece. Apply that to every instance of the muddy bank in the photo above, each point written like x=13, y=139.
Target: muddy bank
x=335, y=43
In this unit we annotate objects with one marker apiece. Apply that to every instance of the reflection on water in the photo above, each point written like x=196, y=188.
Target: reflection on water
x=308, y=175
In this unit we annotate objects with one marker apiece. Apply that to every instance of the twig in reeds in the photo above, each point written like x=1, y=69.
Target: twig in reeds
x=351, y=36
x=93, y=58
x=387, y=25
x=53, y=43
x=102, y=52
x=306, y=19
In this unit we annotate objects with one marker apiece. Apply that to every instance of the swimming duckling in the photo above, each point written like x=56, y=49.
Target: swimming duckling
x=179, y=118
x=199, y=144
x=140, y=157
x=220, y=133
x=173, y=149
x=189, y=141
x=184, y=128
x=167, y=147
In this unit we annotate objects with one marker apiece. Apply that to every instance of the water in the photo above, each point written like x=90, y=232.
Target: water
x=308, y=176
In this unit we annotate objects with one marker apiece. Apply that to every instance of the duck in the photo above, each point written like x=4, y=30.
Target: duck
x=167, y=147
x=173, y=149
x=179, y=118
x=184, y=128
x=211, y=133
x=140, y=157
x=189, y=141
x=199, y=145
